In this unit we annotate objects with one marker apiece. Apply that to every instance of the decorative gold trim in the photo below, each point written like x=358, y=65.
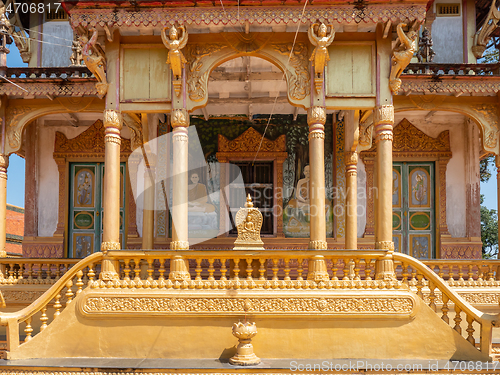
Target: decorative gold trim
x=384, y=245
x=406, y=45
x=179, y=245
x=179, y=118
x=106, y=246
x=249, y=141
x=318, y=245
x=101, y=305
x=316, y=116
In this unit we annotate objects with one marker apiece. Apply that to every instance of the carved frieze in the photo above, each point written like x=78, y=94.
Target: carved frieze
x=105, y=304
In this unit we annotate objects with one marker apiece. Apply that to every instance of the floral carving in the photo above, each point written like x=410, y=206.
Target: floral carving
x=172, y=305
x=197, y=78
x=298, y=80
x=408, y=138
x=490, y=131
x=12, y=119
x=249, y=141
x=91, y=141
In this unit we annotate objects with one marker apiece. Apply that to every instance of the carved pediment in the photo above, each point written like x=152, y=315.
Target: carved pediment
x=408, y=139
x=90, y=142
x=250, y=141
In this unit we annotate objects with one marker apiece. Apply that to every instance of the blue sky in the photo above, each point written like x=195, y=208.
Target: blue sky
x=15, y=182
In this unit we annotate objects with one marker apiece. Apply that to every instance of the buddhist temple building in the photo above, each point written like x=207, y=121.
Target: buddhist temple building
x=308, y=171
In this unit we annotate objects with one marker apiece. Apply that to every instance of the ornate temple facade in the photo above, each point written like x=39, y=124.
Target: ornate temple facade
x=352, y=134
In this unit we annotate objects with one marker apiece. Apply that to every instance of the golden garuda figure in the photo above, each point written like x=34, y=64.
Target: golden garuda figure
x=94, y=58
x=401, y=56
x=175, y=42
x=321, y=41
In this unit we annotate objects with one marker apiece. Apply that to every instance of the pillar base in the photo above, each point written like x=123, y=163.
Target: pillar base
x=179, y=245
x=179, y=269
x=317, y=269
x=318, y=245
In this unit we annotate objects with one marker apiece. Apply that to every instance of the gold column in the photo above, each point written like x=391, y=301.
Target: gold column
x=316, y=118
x=383, y=122
x=111, y=219
x=351, y=218
x=148, y=219
x=4, y=163
x=180, y=241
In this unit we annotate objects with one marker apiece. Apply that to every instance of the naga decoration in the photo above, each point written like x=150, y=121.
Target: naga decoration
x=76, y=57
x=320, y=55
x=94, y=58
x=401, y=56
x=175, y=42
x=483, y=35
x=16, y=29
x=425, y=51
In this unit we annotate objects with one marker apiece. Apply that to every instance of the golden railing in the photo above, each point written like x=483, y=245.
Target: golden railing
x=258, y=270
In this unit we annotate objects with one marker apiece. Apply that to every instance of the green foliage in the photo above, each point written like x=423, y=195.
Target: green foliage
x=489, y=231
x=484, y=168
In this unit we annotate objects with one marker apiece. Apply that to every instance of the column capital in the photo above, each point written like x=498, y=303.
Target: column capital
x=318, y=245
x=106, y=246
x=384, y=245
x=4, y=164
x=316, y=116
x=179, y=118
x=351, y=162
x=112, y=119
x=383, y=115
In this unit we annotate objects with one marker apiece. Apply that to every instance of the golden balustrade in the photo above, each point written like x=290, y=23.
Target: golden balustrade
x=423, y=276
x=261, y=271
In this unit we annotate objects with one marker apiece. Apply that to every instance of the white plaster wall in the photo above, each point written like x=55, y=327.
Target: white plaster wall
x=361, y=198
x=56, y=51
x=48, y=177
x=455, y=174
x=447, y=35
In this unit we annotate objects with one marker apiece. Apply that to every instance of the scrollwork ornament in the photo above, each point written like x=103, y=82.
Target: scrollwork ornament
x=318, y=245
x=383, y=114
x=316, y=115
x=179, y=245
x=316, y=134
x=112, y=119
x=384, y=245
x=179, y=118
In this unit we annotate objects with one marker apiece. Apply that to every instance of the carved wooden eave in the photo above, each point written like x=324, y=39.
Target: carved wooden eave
x=267, y=13
x=409, y=141
x=247, y=145
x=453, y=85
x=88, y=144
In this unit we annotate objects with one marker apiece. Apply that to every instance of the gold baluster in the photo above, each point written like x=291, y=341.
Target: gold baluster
x=420, y=285
x=413, y=276
x=432, y=296
x=198, y=269
x=137, y=272
x=28, y=330
x=334, y=268
x=356, y=269
x=275, y=269
x=79, y=282
x=40, y=269
x=457, y=320
x=480, y=276
x=30, y=273
x=126, y=270
x=404, y=273
x=91, y=274
x=470, y=273
x=223, y=269
x=490, y=273
x=262, y=269
x=300, y=269
x=368, y=269
x=162, y=270
x=346, y=269
x=236, y=269
x=11, y=273
x=69, y=292
x=445, y=309
x=20, y=275
x=57, y=305
x=287, y=269
x=150, y=270
x=44, y=318
x=211, y=269
x=249, y=269
x=58, y=271
x=460, y=273
x=440, y=273
x=470, y=330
